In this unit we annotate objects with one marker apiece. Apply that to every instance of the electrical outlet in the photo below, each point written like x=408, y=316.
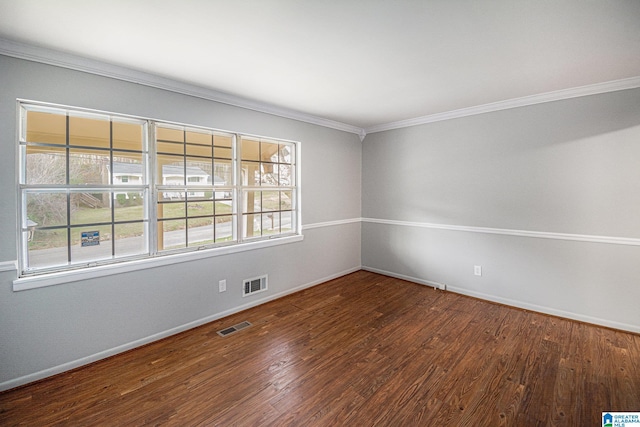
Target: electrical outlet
x=222, y=285
x=477, y=270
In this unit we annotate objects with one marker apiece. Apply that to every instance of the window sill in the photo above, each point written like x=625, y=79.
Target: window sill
x=51, y=279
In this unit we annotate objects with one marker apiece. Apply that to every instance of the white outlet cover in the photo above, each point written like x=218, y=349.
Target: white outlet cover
x=477, y=270
x=222, y=285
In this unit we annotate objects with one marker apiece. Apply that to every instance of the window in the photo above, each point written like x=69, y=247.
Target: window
x=98, y=188
x=268, y=182
x=195, y=184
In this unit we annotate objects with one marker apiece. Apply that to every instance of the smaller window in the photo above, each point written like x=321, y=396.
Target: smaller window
x=268, y=196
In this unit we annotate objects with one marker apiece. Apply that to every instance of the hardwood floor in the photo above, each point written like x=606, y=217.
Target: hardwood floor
x=361, y=350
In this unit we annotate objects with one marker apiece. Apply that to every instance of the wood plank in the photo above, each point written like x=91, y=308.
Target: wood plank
x=363, y=349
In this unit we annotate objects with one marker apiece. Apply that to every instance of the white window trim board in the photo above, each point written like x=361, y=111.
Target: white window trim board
x=69, y=276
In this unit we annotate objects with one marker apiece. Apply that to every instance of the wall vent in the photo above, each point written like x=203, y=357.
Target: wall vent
x=254, y=285
x=233, y=329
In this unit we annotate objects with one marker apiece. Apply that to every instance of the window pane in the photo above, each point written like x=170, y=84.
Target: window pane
x=127, y=169
x=287, y=153
x=89, y=132
x=173, y=235
x=252, y=224
x=206, y=195
x=222, y=172
x=286, y=222
x=271, y=223
x=270, y=201
x=286, y=176
x=195, y=137
x=223, y=206
x=201, y=231
x=46, y=165
x=269, y=174
x=223, y=140
x=128, y=136
x=47, y=209
x=172, y=210
x=250, y=150
x=50, y=128
x=90, y=244
x=224, y=228
x=222, y=153
x=251, y=173
x=170, y=170
x=199, y=150
x=129, y=206
x=130, y=239
x=168, y=195
x=170, y=148
x=286, y=200
x=200, y=208
x=48, y=248
x=252, y=201
x=169, y=134
x=90, y=208
x=88, y=166
x=269, y=152
x=199, y=171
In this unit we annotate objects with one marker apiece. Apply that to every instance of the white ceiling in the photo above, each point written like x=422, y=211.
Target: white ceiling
x=358, y=62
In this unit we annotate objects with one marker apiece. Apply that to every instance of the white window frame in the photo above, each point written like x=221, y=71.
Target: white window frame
x=153, y=258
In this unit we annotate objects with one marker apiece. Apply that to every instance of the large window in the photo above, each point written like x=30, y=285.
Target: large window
x=101, y=188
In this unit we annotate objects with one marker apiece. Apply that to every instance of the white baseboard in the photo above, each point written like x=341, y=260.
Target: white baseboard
x=407, y=278
x=515, y=303
x=16, y=382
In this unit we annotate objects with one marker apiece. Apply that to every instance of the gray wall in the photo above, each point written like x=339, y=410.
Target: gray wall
x=564, y=167
x=570, y=167
x=47, y=330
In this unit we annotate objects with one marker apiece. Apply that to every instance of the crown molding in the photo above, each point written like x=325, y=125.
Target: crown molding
x=74, y=62
x=594, y=89
x=66, y=60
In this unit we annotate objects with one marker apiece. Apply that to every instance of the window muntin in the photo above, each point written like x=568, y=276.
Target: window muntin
x=94, y=189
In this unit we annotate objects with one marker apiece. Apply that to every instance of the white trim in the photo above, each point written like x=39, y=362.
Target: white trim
x=8, y=266
x=629, y=241
x=514, y=303
x=69, y=276
x=74, y=62
x=78, y=63
x=331, y=223
x=16, y=382
x=51, y=279
x=407, y=278
x=594, y=89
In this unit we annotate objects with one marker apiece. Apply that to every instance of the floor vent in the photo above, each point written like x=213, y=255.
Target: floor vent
x=233, y=329
x=255, y=285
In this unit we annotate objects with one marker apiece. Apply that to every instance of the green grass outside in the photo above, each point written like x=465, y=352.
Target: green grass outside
x=44, y=239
